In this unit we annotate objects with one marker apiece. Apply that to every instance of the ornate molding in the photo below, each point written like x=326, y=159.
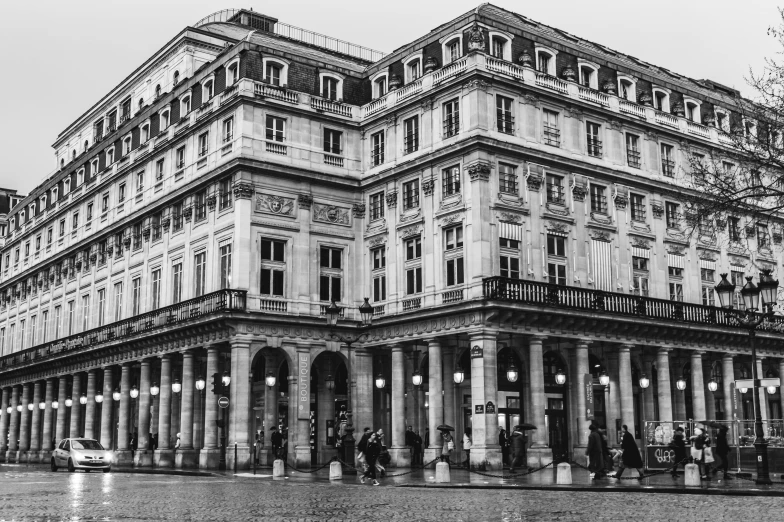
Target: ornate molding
x=411, y=231
x=534, y=181
x=579, y=192
x=305, y=201
x=556, y=209
x=451, y=202
x=574, y=112
x=530, y=99
x=676, y=250
x=657, y=209
x=331, y=214
x=601, y=235
x=556, y=226
x=271, y=204
x=621, y=200
x=477, y=84
x=452, y=219
x=427, y=186
x=601, y=218
x=391, y=199
x=377, y=241
x=358, y=210
x=640, y=227
x=410, y=217
x=706, y=255
x=243, y=190
x=479, y=171
x=476, y=39
x=615, y=125
x=640, y=242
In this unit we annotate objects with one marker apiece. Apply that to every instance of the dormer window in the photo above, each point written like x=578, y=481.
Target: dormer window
x=722, y=120
x=141, y=103
x=22, y=216
x=500, y=46
x=144, y=134
x=157, y=91
x=32, y=210
x=66, y=186
x=273, y=73
x=80, y=177
x=176, y=78
x=545, y=60
x=452, y=48
x=110, y=156
x=125, y=109
x=86, y=145
x=94, y=167
x=692, y=107
x=412, y=67
x=627, y=88
x=54, y=194
x=126, y=146
x=276, y=71
x=749, y=129
x=331, y=86
x=164, y=123
x=232, y=73
x=62, y=162
x=661, y=100
x=185, y=106
x=380, y=85
x=586, y=76
x=589, y=73
x=43, y=202
x=208, y=91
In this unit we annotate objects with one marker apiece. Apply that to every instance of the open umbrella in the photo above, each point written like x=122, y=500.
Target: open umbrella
x=524, y=427
x=274, y=428
x=445, y=427
x=710, y=424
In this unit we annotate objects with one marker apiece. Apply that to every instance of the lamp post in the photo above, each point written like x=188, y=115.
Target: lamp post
x=750, y=319
x=333, y=313
x=644, y=383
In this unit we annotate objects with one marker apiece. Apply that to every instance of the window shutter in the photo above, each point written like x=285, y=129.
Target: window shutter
x=510, y=231
x=602, y=264
x=641, y=252
x=676, y=261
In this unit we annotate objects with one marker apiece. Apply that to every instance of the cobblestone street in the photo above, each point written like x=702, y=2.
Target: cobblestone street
x=41, y=495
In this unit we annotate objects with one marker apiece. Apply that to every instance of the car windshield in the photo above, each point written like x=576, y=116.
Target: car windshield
x=86, y=445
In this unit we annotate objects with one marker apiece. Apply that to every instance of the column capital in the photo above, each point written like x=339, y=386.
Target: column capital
x=727, y=357
x=664, y=351
x=165, y=357
x=435, y=340
x=625, y=348
x=484, y=335
x=582, y=343
x=628, y=346
x=539, y=338
x=697, y=353
x=396, y=347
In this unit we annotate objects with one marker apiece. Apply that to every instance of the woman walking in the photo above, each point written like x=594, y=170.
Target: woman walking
x=467, y=446
x=518, y=449
x=372, y=451
x=595, y=453
x=631, y=455
x=449, y=445
x=723, y=451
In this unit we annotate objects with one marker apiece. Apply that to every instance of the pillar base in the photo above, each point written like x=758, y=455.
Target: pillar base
x=123, y=458
x=20, y=457
x=163, y=458
x=209, y=458
x=142, y=459
x=301, y=457
x=186, y=459
x=44, y=456
x=33, y=456
x=486, y=459
x=537, y=457
x=401, y=457
x=243, y=457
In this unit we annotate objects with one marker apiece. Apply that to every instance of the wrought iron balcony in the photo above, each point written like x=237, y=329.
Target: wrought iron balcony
x=574, y=298
x=208, y=304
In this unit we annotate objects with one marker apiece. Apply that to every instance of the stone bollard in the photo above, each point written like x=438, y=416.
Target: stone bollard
x=335, y=470
x=692, y=475
x=278, y=469
x=442, y=473
x=564, y=473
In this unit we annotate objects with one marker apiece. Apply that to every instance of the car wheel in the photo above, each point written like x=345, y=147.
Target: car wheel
x=107, y=470
x=54, y=465
x=71, y=467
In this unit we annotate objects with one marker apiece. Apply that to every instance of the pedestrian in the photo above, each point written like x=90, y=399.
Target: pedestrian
x=467, y=446
x=362, y=448
x=418, y=448
x=630, y=458
x=678, y=446
x=383, y=457
x=504, y=443
x=277, y=443
x=699, y=441
x=448, y=446
x=427, y=437
x=518, y=449
x=410, y=441
x=372, y=450
x=723, y=451
x=606, y=453
x=595, y=453
x=177, y=444
x=342, y=423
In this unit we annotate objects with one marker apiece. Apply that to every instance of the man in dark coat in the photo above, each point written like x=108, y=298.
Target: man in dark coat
x=595, y=453
x=277, y=443
x=418, y=449
x=723, y=451
x=518, y=449
x=504, y=443
x=678, y=445
x=410, y=440
x=631, y=455
x=362, y=448
x=372, y=450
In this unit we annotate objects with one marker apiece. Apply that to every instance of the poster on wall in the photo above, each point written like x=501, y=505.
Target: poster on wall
x=303, y=380
x=588, y=385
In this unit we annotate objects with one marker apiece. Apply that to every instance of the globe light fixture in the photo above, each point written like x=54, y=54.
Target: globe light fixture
x=19, y=408
x=200, y=383
x=604, y=379
x=330, y=382
x=560, y=377
x=681, y=383
x=9, y=410
x=226, y=379
x=116, y=394
x=416, y=378
x=771, y=390
x=83, y=399
x=713, y=385
x=270, y=379
x=511, y=372
x=459, y=375
x=155, y=389
x=380, y=381
x=30, y=406
x=42, y=405
x=99, y=397
x=744, y=390
x=644, y=382
x=55, y=405
x=176, y=386
x=68, y=402
x=134, y=392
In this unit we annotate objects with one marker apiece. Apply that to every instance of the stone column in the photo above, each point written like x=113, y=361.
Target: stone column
x=781, y=388
x=410, y=416
x=186, y=456
x=649, y=411
x=299, y=429
x=485, y=451
x=24, y=423
x=142, y=456
x=449, y=390
x=710, y=402
x=625, y=387
x=362, y=368
x=292, y=420
x=198, y=417
x=76, y=407
x=539, y=453
x=326, y=411
x=4, y=418
x=107, y=408
x=124, y=455
x=13, y=430
x=435, y=414
x=698, y=409
x=89, y=415
x=401, y=457
x=35, y=424
x=239, y=413
x=209, y=456
x=581, y=368
x=664, y=393
x=62, y=411
x=270, y=408
x=614, y=402
x=46, y=445
x=762, y=396
x=164, y=455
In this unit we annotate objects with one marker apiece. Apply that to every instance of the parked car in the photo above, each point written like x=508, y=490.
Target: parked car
x=78, y=453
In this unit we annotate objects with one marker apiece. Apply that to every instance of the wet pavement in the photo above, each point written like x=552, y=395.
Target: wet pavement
x=33, y=493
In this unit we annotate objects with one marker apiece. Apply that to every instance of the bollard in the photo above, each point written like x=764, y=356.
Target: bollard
x=692, y=475
x=564, y=473
x=278, y=469
x=235, y=457
x=442, y=473
x=335, y=470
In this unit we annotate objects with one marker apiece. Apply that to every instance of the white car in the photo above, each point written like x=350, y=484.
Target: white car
x=78, y=453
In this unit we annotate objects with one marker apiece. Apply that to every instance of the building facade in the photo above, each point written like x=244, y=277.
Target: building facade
x=506, y=195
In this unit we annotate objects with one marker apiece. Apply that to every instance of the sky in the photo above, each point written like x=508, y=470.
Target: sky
x=61, y=56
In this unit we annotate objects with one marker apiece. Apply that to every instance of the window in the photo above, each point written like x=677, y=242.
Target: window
x=455, y=273
x=671, y=214
x=737, y=277
x=413, y=69
x=203, y=144
x=411, y=135
x=763, y=240
x=640, y=284
x=598, y=199
x=136, y=294
x=453, y=238
x=208, y=91
x=510, y=261
x=556, y=273
x=588, y=76
x=329, y=87
x=144, y=134
x=49, y=236
x=199, y=274
x=185, y=106
x=38, y=241
x=452, y=50
x=627, y=89
x=692, y=111
x=413, y=248
x=273, y=267
x=451, y=181
x=200, y=205
x=668, y=165
x=232, y=74
x=552, y=134
x=137, y=237
x=88, y=220
x=139, y=183
x=674, y=271
x=177, y=282
x=451, y=118
x=75, y=224
x=708, y=274
x=44, y=328
x=121, y=191
x=638, y=207
x=331, y=262
x=85, y=313
x=272, y=73
x=640, y=263
x=165, y=120
x=109, y=161
x=101, y=306
x=225, y=265
x=224, y=188
x=379, y=256
x=592, y=138
x=555, y=189
x=633, y=151
x=676, y=291
x=379, y=288
x=414, y=280
x=377, y=148
x=411, y=194
x=228, y=130
x=157, y=91
x=380, y=86
x=556, y=245
x=661, y=100
x=118, y=301
x=507, y=178
x=159, y=170
x=332, y=141
x=180, y=158
x=176, y=78
x=57, y=323
x=377, y=205
x=62, y=227
x=23, y=332
x=708, y=297
x=503, y=113
x=275, y=128
x=126, y=146
x=177, y=217
x=498, y=47
x=105, y=203
x=544, y=61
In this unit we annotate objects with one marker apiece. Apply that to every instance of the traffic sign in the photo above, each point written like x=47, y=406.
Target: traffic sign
x=223, y=402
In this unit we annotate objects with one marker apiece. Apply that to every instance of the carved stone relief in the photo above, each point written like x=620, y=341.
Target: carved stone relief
x=330, y=214
x=271, y=204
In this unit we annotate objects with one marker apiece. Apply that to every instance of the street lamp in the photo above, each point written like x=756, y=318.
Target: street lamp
x=459, y=375
x=750, y=319
x=604, y=379
x=226, y=379
x=380, y=381
x=116, y=394
x=19, y=408
x=55, y=405
x=680, y=383
x=68, y=402
x=416, y=378
x=9, y=410
x=560, y=377
x=329, y=380
x=42, y=404
x=177, y=386
x=83, y=399
x=200, y=383
x=771, y=390
x=333, y=312
x=511, y=372
x=155, y=389
x=644, y=382
x=713, y=385
x=270, y=379
x=30, y=406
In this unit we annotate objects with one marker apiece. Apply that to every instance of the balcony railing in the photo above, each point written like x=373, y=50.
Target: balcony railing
x=324, y=105
x=263, y=89
x=663, y=118
x=215, y=302
x=450, y=70
x=631, y=108
x=538, y=293
x=699, y=130
x=411, y=89
x=593, y=96
x=551, y=82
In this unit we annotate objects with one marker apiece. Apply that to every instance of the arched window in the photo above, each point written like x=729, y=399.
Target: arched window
x=62, y=162
x=165, y=120
x=498, y=45
x=176, y=78
x=692, y=107
x=380, y=85
x=157, y=91
x=452, y=48
x=412, y=67
x=276, y=71
x=627, y=88
x=331, y=86
x=589, y=74
x=661, y=100
x=86, y=145
x=208, y=91
x=545, y=60
x=185, y=106
x=232, y=73
x=141, y=103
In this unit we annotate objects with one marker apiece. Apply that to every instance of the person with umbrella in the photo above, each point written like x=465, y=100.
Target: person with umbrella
x=449, y=441
x=631, y=455
x=503, y=442
x=595, y=453
x=277, y=442
x=518, y=444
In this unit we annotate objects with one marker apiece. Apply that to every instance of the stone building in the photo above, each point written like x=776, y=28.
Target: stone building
x=506, y=194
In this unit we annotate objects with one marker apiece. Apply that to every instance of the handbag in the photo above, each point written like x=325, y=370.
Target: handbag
x=708, y=455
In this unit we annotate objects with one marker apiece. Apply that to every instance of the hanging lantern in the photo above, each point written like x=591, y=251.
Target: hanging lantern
x=771, y=390
x=68, y=402
x=200, y=383
x=644, y=381
x=459, y=375
x=134, y=392
x=511, y=372
x=427, y=404
x=713, y=385
x=42, y=405
x=270, y=379
x=744, y=390
x=330, y=382
x=83, y=399
x=416, y=378
x=55, y=405
x=19, y=408
x=9, y=410
x=99, y=397
x=176, y=386
x=560, y=377
x=681, y=384
x=30, y=406
x=116, y=394
x=366, y=313
x=226, y=379
x=380, y=381
x=604, y=379
x=155, y=389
